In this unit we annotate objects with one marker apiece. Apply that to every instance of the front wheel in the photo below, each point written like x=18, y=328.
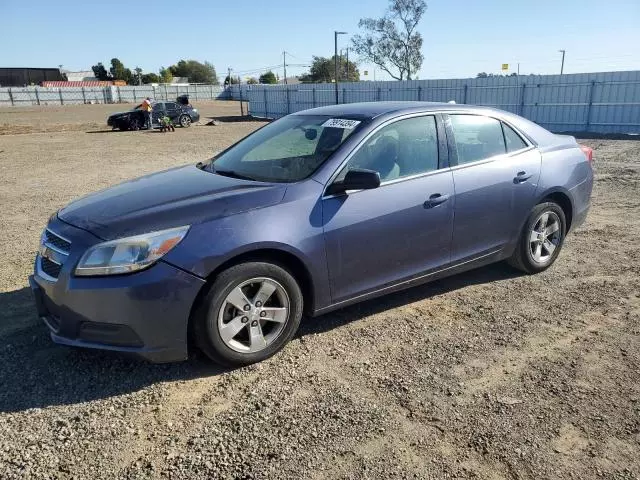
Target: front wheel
x=134, y=124
x=185, y=121
x=250, y=312
x=541, y=239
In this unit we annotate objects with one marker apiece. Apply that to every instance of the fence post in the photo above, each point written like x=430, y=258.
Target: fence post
x=591, y=89
x=344, y=95
x=521, y=112
x=466, y=88
x=378, y=95
x=60, y=93
x=419, y=92
x=314, y=97
x=288, y=101
x=241, y=106
x=11, y=97
x=37, y=96
x=84, y=97
x=266, y=110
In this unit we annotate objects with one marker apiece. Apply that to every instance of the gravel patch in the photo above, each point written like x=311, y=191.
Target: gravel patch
x=489, y=374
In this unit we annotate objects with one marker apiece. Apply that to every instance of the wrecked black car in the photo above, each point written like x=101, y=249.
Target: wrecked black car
x=181, y=112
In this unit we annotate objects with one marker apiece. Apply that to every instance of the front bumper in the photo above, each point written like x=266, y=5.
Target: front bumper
x=195, y=117
x=145, y=313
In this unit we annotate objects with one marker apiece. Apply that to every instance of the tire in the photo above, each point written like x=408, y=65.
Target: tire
x=134, y=124
x=249, y=337
x=185, y=121
x=532, y=240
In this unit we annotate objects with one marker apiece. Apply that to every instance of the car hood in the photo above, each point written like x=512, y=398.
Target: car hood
x=120, y=114
x=180, y=196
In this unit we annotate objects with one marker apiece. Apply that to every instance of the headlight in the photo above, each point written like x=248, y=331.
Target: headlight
x=129, y=254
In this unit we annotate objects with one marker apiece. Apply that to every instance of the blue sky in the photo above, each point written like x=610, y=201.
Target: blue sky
x=461, y=37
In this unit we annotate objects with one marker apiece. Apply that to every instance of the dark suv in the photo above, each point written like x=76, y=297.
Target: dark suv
x=181, y=112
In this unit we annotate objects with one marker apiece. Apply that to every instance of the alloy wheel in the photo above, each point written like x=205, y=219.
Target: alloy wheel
x=253, y=315
x=185, y=121
x=545, y=237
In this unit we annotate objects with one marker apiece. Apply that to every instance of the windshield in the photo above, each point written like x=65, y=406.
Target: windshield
x=287, y=150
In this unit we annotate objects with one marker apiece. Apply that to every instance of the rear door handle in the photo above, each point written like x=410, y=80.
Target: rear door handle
x=435, y=200
x=521, y=177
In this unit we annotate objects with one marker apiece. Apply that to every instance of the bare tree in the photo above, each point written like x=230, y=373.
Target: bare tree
x=392, y=42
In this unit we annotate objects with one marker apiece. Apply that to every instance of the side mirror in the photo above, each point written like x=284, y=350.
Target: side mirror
x=356, y=179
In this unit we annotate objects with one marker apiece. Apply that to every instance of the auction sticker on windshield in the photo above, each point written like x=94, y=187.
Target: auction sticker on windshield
x=341, y=123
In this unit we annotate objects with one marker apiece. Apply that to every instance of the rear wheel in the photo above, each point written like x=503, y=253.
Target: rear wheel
x=541, y=239
x=185, y=121
x=251, y=311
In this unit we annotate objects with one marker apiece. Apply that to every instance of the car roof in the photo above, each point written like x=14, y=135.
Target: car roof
x=375, y=109
x=370, y=110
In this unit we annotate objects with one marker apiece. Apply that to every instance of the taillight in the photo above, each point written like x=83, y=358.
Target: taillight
x=588, y=152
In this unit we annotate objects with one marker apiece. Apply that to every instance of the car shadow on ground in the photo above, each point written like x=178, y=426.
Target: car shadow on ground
x=491, y=273
x=35, y=373
x=103, y=131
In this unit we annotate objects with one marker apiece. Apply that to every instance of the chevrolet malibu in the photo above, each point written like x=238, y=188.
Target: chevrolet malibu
x=313, y=212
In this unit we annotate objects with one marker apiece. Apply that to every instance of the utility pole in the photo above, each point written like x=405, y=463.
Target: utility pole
x=284, y=58
x=562, y=65
x=335, y=57
x=518, y=68
x=348, y=64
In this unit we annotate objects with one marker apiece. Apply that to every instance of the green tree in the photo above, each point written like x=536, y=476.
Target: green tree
x=268, y=78
x=252, y=81
x=234, y=80
x=150, y=78
x=392, y=42
x=137, y=76
x=165, y=75
x=323, y=70
x=100, y=72
x=195, y=71
x=120, y=72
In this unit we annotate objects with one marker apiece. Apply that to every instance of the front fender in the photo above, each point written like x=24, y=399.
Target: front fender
x=290, y=227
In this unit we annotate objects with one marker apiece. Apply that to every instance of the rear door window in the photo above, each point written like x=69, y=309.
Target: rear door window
x=477, y=137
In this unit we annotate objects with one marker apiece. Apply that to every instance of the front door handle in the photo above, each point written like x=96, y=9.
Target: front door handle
x=435, y=200
x=521, y=177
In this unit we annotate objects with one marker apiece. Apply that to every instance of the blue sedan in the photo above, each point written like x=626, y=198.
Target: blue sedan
x=313, y=212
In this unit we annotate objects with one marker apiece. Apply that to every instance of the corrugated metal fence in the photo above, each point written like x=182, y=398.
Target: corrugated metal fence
x=606, y=102
x=78, y=95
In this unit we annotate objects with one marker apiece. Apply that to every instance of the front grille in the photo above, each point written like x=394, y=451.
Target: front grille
x=57, y=241
x=50, y=268
x=54, y=251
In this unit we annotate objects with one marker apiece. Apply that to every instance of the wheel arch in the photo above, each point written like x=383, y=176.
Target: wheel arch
x=283, y=258
x=563, y=198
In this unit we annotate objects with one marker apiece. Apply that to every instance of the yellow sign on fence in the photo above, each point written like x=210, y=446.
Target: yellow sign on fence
x=505, y=66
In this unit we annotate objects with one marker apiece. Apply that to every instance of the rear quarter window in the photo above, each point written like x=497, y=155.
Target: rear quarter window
x=512, y=139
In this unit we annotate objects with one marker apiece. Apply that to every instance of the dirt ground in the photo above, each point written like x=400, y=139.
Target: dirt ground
x=490, y=374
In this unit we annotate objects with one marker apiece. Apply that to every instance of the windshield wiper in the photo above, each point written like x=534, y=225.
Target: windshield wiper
x=232, y=174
